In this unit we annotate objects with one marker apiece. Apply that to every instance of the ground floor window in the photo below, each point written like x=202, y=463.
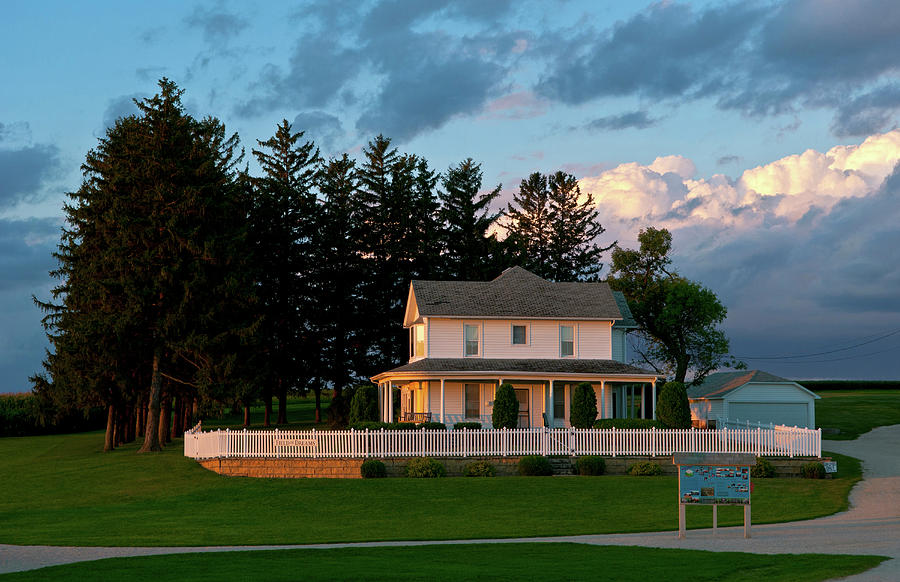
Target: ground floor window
x=472, y=404
x=559, y=401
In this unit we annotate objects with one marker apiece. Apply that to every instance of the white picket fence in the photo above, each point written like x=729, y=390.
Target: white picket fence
x=497, y=442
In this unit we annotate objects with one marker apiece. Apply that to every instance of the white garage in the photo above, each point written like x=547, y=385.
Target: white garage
x=752, y=396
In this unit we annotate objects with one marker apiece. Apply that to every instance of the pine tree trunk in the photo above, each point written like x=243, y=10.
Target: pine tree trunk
x=282, y=402
x=195, y=412
x=151, y=437
x=120, y=426
x=267, y=418
x=138, y=418
x=109, y=442
x=165, y=420
x=129, y=424
x=318, y=392
x=178, y=418
x=246, y=415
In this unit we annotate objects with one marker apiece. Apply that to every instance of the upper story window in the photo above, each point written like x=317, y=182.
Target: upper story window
x=566, y=340
x=417, y=341
x=519, y=335
x=470, y=334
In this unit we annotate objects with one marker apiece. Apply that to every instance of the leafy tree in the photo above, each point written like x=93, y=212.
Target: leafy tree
x=506, y=407
x=584, y=406
x=672, y=407
x=284, y=220
x=364, y=405
x=470, y=253
x=553, y=228
x=678, y=319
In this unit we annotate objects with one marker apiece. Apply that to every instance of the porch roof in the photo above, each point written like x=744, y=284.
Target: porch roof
x=449, y=367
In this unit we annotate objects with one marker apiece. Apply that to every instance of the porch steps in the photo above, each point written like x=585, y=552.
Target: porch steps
x=562, y=465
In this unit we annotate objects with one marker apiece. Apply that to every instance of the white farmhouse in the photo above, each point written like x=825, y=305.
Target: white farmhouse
x=468, y=337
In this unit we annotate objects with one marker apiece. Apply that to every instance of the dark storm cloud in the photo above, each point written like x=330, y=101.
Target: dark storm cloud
x=630, y=120
x=24, y=171
x=25, y=252
x=323, y=128
x=218, y=26
x=422, y=78
x=755, y=58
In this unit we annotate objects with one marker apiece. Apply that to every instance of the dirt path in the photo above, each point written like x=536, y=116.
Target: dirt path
x=871, y=526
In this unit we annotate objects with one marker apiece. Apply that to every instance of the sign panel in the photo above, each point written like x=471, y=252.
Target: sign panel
x=830, y=466
x=710, y=484
x=295, y=443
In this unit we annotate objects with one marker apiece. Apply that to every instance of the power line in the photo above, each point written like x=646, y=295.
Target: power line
x=857, y=356
x=879, y=338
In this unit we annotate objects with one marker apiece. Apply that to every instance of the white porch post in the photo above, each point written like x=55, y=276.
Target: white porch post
x=390, y=410
x=550, y=410
x=602, y=398
x=442, y=400
x=631, y=402
x=653, y=400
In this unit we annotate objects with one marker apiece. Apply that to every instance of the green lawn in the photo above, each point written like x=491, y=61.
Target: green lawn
x=856, y=412
x=545, y=562
x=301, y=415
x=63, y=490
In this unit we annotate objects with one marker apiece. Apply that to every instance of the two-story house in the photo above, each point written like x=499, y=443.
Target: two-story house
x=468, y=337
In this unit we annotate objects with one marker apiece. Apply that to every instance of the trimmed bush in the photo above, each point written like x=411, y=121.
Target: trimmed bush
x=479, y=469
x=584, y=406
x=372, y=469
x=590, y=466
x=368, y=424
x=645, y=469
x=506, y=407
x=672, y=407
x=812, y=470
x=401, y=426
x=627, y=423
x=535, y=466
x=763, y=469
x=469, y=425
x=364, y=405
x=432, y=425
x=425, y=468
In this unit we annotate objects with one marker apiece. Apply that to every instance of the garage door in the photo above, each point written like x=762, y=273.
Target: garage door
x=788, y=413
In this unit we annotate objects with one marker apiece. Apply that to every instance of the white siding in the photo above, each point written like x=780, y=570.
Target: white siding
x=592, y=339
x=707, y=409
x=775, y=403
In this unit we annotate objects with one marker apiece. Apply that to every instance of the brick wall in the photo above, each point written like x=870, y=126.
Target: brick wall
x=349, y=468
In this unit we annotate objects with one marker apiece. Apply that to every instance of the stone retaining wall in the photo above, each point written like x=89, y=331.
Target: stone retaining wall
x=506, y=466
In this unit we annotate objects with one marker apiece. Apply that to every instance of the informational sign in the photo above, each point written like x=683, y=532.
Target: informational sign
x=709, y=484
x=830, y=466
x=295, y=443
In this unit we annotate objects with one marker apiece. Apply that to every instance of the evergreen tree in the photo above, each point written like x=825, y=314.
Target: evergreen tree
x=506, y=407
x=470, y=253
x=284, y=222
x=530, y=225
x=584, y=406
x=672, y=407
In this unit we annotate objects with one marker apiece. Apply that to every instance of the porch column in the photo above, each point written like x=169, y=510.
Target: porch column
x=550, y=410
x=602, y=398
x=631, y=402
x=390, y=410
x=643, y=401
x=442, y=400
x=653, y=398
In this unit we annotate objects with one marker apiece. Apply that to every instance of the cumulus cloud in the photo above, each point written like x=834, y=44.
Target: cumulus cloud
x=121, y=106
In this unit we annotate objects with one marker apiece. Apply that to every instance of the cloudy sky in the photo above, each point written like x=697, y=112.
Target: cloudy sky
x=762, y=134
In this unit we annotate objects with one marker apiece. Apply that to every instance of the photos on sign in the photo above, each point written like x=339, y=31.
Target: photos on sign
x=723, y=485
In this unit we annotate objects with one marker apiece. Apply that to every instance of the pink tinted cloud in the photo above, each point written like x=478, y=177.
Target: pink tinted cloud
x=518, y=105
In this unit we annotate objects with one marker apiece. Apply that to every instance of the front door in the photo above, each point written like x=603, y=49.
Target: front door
x=522, y=397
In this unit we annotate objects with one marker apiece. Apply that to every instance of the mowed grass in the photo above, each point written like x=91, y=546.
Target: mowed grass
x=545, y=562
x=856, y=412
x=301, y=415
x=63, y=490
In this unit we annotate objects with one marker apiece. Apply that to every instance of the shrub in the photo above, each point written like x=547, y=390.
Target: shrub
x=372, y=469
x=400, y=426
x=479, y=469
x=584, y=406
x=535, y=466
x=672, y=407
x=812, y=470
x=364, y=405
x=469, y=425
x=627, y=423
x=433, y=426
x=368, y=424
x=645, y=469
x=425, y=468
x=590, y=465
x=506, y=407
x=763, y=469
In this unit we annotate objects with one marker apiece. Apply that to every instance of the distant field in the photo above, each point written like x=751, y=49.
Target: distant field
x=855, y=412
x=301, y=413
x=846, y=385
x=544, y=562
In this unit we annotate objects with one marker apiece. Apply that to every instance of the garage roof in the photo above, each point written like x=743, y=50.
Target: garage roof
x=722, y=383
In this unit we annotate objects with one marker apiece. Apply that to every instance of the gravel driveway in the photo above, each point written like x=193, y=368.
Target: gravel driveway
x=871, y=526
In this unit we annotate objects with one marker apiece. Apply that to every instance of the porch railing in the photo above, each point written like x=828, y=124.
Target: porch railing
x=498, y=442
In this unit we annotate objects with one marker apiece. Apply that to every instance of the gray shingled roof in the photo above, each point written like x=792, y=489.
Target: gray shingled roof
x=516, y=293
x=486, y=365
x=719, y=384
x=627, y=320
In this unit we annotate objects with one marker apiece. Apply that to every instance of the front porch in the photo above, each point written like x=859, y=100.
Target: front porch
x=454, y=396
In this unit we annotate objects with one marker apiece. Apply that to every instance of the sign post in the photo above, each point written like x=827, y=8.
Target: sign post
x=713, y=479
